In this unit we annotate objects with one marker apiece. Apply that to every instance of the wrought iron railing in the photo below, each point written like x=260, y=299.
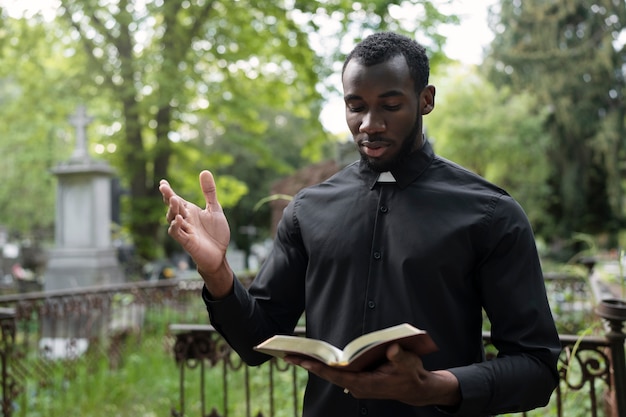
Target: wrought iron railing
x=49, y=339
x=47, y=334
x=591, y=368
x=7, y=344
x=200, y=348
x=586, y=385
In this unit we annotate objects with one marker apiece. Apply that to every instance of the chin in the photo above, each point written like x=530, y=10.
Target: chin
x=379, y=165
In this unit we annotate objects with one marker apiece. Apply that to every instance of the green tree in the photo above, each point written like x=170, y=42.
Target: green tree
x=38, y=88
x=494, y=133
x=566, y=53
x=168, y=82
x=217, y=60
x=261, y=162
x=168, y=64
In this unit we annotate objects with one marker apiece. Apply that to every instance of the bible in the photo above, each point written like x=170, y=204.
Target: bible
x=364, y=352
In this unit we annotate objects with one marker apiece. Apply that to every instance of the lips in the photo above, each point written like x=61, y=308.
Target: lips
x=374, y=145
x=374, y=149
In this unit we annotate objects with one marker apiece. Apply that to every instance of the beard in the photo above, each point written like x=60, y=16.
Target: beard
x=407, y=147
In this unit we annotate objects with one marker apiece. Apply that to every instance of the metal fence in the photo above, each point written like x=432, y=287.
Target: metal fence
x=51, y=342
x=586, y=388
x=591, y=367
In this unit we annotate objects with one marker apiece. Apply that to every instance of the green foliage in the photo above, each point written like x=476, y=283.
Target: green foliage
x=536, y=41
x=95, y=390
x=34, y=134
x=174, y=87
x=144, y=381
x=494, y=133
x=147, y=380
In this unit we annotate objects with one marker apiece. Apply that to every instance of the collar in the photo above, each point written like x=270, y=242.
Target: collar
x=386, y=177
x=407, y=172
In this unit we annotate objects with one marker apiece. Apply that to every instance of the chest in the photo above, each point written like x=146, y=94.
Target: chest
x=409, y=225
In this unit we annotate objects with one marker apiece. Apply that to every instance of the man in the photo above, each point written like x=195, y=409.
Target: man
x=400, y=236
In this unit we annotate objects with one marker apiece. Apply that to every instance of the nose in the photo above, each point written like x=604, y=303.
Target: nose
x=372, y=123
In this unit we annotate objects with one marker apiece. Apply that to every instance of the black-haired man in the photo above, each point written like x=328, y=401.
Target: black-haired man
x=400, y=236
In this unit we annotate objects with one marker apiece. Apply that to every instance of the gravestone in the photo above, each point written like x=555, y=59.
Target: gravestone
x=83, y=255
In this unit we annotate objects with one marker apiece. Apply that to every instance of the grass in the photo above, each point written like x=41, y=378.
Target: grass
x=146, y=383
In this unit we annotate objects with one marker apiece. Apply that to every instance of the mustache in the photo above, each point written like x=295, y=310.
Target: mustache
x=372, y=139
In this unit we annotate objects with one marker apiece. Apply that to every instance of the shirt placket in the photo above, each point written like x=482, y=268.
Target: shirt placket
x=377, y=260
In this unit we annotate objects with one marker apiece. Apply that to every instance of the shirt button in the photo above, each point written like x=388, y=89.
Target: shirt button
x=363, y=411
x=384, y=209
x=377, y=255
x=371, y=304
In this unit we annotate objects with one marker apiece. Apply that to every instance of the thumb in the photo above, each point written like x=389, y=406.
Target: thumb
x=395, y=353
x=207, y=184
x=400, y=357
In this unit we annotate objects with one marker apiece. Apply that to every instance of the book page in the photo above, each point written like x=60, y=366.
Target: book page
x=377, y=337
x=281, y=345
x=364, y=352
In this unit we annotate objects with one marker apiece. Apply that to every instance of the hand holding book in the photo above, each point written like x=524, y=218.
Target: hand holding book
x=364, y=352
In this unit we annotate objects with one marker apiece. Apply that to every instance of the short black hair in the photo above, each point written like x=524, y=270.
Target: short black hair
x=381, y=47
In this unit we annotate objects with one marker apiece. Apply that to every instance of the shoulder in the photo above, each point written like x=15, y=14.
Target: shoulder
x=459, y=175
x=329, y=191
x=494, y=201
x=347, y=177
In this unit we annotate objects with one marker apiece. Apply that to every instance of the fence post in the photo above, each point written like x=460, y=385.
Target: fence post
x=7, y=344
x=195, y=344
x=614, y=312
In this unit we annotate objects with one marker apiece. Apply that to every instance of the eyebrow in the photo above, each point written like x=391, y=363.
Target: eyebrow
x=391, y=93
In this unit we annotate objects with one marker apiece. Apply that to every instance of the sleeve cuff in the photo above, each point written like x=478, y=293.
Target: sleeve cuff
x=473, y=389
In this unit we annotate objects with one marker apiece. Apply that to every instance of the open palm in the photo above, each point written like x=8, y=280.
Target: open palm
x=203, y=233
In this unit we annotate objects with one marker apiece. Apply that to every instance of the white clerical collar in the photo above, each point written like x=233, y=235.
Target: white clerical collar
x=386, y=177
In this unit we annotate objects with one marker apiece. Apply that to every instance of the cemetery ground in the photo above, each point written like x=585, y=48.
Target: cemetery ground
x=145, y=383
x=133, y=370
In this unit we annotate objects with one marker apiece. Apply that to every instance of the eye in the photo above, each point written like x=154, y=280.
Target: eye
x=392, y=107
x=355, y=106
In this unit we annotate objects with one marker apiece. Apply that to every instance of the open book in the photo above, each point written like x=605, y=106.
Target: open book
x=364, y=352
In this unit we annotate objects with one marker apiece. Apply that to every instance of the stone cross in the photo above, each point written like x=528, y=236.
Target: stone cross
x=80, y=120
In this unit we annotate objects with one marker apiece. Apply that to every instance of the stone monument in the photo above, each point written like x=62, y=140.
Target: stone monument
x=83, y=255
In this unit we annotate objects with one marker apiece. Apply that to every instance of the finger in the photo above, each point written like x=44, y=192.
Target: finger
x=341, y=378
x=179, y=206
x=175, y=207
x=207, y=183
x=177, y=229
x=403, y=359
x=394, y=353
x=175, y=223
x=400, y=358
x=166, y=191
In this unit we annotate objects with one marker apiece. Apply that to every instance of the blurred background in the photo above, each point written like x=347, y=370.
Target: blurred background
x=530, y=96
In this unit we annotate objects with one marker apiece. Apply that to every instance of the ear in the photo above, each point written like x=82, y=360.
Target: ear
x=427, y=99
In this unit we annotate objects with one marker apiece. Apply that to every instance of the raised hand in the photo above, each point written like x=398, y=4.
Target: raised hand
x=203, y=233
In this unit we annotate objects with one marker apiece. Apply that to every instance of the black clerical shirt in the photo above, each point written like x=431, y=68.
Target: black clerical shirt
x=432, y=249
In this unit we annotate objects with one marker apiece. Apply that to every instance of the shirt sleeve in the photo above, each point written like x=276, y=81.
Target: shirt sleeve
x=524, y=374
x=273, y=303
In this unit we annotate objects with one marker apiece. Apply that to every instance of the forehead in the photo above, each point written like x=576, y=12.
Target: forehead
x=391, y=75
